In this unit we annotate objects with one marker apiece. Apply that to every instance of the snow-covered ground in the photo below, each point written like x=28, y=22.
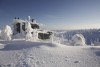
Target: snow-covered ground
x=21, y=53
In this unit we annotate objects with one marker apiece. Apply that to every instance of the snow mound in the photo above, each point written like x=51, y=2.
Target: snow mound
x=6, y=33
x=78, y=40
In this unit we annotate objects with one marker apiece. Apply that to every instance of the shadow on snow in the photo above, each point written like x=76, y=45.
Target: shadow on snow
x=18, y=45
x=97, y=51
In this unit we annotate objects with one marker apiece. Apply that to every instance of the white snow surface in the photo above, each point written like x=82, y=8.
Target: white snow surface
x=22, y=53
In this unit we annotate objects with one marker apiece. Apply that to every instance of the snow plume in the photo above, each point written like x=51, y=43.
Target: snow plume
x=28, y=32
x=78, y=40
x=6, y=33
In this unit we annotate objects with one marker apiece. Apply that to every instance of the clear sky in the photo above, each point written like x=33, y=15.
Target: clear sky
x=55, y=14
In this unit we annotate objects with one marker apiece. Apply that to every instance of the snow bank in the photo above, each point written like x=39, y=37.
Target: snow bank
x=78, y=40
x=6, y=33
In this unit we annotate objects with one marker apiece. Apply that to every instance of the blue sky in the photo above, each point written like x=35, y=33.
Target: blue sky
x=55, y=14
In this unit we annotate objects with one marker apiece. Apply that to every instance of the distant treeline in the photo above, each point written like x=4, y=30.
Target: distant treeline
x=90, y=35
